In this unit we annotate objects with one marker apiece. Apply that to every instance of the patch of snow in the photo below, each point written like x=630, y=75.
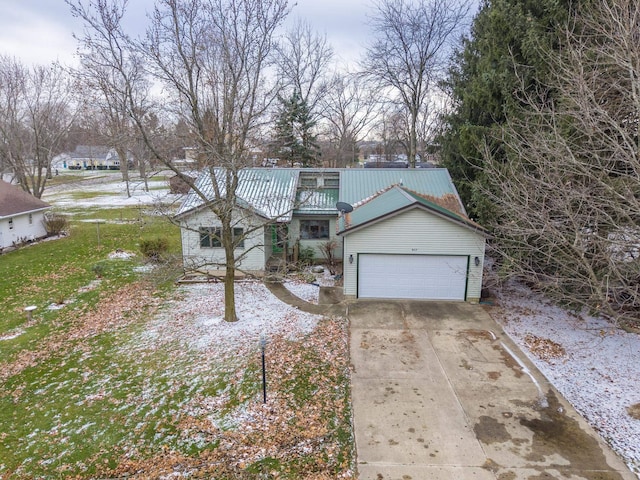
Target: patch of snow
x=174, y=475
x=301, y=289
x=309, y=292
x=121, y=254
x=92, y=285
x=600, y=372
x=85, y=427
x=11, y=336
x=625, y=244
x=196, y=321
x=53, y=237
x=110, y=192
x=326, y=278
x=144, y=268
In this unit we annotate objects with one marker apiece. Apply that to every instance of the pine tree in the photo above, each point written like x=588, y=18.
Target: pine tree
x=502, y=55
x=295, y=142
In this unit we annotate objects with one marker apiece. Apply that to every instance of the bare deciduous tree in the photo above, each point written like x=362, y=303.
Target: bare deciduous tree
x=408, y=55
x=391, y=130
x=213, y=57
x=36, y=114
x=568, y=199
x=348, y=109
x=112, y=74
x=210, y=58
x=303, y=59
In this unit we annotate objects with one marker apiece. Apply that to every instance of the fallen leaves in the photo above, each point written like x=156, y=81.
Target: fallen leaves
x=304, y=422
x=202, y=414
x=114, y=310
x=544, y=348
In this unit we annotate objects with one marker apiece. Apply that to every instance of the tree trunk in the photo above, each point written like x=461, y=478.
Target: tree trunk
x=229, y=279
x=230, y=294
x=413, y=140
x=142, y=169
x=124, y=168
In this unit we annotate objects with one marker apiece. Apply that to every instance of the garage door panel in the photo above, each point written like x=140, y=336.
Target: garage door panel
x=412, y=276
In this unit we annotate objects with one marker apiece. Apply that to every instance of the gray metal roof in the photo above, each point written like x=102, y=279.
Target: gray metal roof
x=397, y=198
x=274, y=194
x=269, y=192
x=90, y=151
x=358, y=185
x=318, y=201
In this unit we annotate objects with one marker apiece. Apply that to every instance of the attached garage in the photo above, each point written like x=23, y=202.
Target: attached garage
x=434, y=277
x=400, y=245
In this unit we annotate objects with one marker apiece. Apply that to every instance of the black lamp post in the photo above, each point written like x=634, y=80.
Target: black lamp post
x=263, y=344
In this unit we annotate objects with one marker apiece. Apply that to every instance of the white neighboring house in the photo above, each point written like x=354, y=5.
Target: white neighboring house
x=89, y=157
x=21, y=216
x=402, y=233
x=265, y=200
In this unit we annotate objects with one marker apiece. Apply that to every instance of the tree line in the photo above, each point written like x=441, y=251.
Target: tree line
x=314, y=112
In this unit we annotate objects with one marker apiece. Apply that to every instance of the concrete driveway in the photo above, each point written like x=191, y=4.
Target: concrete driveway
x=440, y=392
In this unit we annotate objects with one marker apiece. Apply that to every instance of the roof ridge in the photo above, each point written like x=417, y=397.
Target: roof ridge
x=438, y=202
x=376, y=195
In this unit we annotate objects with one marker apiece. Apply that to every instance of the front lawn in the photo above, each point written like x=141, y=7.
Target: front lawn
x=121, y=376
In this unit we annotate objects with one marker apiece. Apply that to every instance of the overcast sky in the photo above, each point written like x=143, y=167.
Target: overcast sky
x=40, y=31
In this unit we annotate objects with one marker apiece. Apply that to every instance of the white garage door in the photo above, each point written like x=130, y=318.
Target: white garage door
x=430, y=277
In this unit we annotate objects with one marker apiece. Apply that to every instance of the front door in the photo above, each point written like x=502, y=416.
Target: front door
x=279, y=237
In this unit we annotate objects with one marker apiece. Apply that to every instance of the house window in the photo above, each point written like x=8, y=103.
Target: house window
x=211, y=237
x=314, y=229
x=308, y=182
x=11, y=224
x=30, y=219
x=332, y=182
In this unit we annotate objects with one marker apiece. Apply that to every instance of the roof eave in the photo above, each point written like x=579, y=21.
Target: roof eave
x=469, y=225
x=25, y=212
x=203, y=206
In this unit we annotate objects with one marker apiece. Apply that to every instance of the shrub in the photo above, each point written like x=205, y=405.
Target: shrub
x=55, y=224
x=328, y=252
x=306, y=255
x=21, y=242
x=154, y=248
x=99, y=269
x=164, y=272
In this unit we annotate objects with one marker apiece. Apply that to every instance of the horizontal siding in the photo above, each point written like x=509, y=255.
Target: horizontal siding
x=22, y=229
x=415, y=232
x=195, y=257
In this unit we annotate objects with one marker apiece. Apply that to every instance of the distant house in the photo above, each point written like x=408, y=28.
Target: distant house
x=90, y=157
x=21, y=216
x=385, y=164
x=401, y=233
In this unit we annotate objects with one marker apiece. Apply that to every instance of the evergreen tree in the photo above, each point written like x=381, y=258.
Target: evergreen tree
x=295, y=141
x=502, y=55
x=568, y=199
